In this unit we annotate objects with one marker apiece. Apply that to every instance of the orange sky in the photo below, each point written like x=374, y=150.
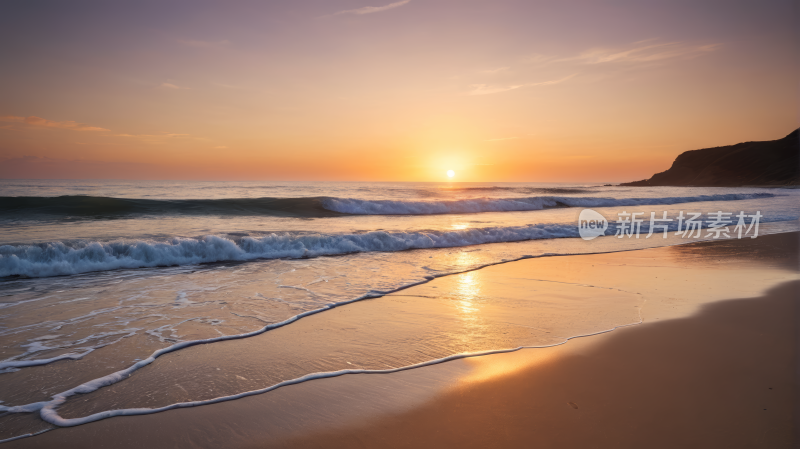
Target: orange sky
x=377, y=90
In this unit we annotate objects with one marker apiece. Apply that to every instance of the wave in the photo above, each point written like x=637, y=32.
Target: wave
x=105, y=207
x=525, y=190
x=26, y=207
x=67, y=258
x=389, y=207
x=60, y=258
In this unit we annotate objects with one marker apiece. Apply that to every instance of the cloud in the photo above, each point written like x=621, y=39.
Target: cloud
x=537, y=59
x=164, y=134
x=44, y=123
x=154, y=138
x=485, y=89
x=373, y=9
x=642, y=52
x=34, y=167
x=172, y=86
x=38, y=122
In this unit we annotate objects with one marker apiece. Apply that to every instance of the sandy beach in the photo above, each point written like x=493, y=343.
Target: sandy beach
x=713, y=364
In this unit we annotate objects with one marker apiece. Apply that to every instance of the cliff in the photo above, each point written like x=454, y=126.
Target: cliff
x=770, y=163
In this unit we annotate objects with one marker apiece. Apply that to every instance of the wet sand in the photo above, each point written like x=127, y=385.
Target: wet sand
x=725, y=378
x=713, y=365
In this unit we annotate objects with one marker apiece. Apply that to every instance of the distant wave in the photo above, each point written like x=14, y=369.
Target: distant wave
x=59, y=258
x=104, y=207
x=388, y=207
x=525, y=190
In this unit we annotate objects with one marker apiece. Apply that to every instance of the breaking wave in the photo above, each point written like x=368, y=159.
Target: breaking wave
x=104, y=207
x=388, y=207
x=60, y=258
x=66, y=258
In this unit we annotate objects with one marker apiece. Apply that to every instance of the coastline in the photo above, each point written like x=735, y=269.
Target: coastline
x=630, y=386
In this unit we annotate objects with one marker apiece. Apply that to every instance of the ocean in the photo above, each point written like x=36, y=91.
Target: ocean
x=100, y=279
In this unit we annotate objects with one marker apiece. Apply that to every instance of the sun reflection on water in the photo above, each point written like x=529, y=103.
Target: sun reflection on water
x=468, y=289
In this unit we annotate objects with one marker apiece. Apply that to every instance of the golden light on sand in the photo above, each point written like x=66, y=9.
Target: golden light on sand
x=450, y=173
x=468, y=289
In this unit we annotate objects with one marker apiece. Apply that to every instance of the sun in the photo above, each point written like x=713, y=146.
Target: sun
x=450, y=173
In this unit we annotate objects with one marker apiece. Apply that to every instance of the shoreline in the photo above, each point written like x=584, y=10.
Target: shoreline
x=676, y=383
x=77, y=435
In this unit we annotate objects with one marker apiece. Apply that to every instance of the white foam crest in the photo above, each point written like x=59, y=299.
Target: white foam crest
x=57, y=258
x=14, y=365
x=476, y=205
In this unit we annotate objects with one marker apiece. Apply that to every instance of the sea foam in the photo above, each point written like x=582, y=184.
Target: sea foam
x=59, y=258
x=469, y=206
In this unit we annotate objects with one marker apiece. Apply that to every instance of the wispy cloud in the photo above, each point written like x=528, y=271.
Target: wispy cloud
x=44, y=123
x=485, y=89
x=35, y=167
x=643, y=51
x=172, y=86
x=538, y=59
x=38, y=122
x=156, y=138
x=165, y=134
x=373, y=9
x=642, y=54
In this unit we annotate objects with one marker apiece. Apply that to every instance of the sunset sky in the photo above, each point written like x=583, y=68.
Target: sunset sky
x=384, y=90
